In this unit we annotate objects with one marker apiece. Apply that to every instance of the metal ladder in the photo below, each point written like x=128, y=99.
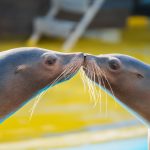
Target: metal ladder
x=51, y=26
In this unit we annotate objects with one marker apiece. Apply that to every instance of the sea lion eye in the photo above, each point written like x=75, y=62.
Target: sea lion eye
x=50, y=60
x=114, y=64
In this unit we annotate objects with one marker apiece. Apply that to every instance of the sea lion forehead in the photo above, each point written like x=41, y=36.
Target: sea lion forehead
x=28, y=51
x=126, y=60
x=23, y=53
x=118, y=56
x=131, y=61
x=19, y=56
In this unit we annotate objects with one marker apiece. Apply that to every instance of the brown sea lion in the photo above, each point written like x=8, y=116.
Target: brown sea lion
x=25, y=72
x=124, y=77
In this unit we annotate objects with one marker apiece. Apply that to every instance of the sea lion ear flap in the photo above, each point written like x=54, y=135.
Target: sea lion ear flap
x=21, y=68
x=140, y=76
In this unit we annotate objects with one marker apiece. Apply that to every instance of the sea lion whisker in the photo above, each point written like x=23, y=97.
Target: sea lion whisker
x=83, y=78
x=111, y=89
x=35, y=104
x=92, y=89
x=94, y=85
x=66, y=71
x=106, y=99
x=57, y=78
x=42, y=94
x=72, y=68
x=86, y=80
x=74, y=60
x=99, y=74
x=76, y=68
x=89, y=84
x=73, y=63
x=100, y=92
x=99, y=89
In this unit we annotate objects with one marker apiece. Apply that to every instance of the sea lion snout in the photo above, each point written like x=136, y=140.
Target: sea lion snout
x=81, y=57
x=71, y=57
x=88, y=56
x=89, y=62
x=103, y=61
x=49, y=59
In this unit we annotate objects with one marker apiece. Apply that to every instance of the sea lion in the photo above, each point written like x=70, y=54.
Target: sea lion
x=25, y=72
x=125, y=78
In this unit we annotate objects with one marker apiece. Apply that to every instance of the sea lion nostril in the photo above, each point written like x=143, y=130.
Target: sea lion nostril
x=84, y=56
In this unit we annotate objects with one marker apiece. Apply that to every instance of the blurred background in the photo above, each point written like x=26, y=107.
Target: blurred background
x=65, y=117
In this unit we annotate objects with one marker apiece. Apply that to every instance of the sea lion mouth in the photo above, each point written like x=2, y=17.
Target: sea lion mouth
x=93, y=71
x=72, y=67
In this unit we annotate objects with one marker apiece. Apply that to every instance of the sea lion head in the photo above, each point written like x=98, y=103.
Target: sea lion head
x=42, y=67
x=25, y=72
x=124, y=77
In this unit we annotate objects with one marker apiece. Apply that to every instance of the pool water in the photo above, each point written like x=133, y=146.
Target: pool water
x=130, y=144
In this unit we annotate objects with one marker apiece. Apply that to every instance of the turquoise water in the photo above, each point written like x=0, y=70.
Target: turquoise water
x=130, y=144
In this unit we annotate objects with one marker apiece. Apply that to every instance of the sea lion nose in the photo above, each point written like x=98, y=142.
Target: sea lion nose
x=87, y=56
x=71, y=57
x=84, y=59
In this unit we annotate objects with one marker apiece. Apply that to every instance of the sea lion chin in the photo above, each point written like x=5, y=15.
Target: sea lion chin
x=124, y=77
x=25, y=72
